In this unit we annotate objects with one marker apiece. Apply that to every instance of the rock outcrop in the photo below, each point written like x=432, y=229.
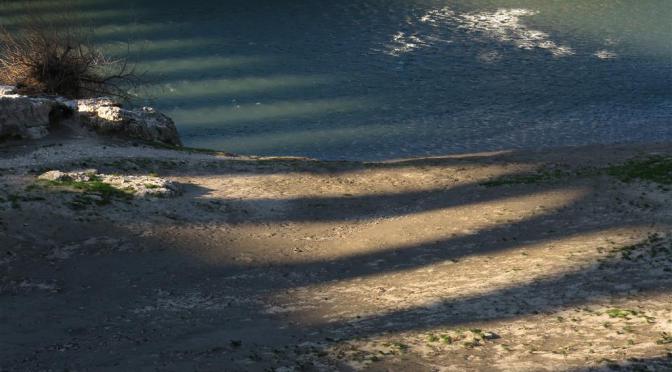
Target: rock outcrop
x=32, y=117
x=27, y=117
x=107, y=116
x=7, y=89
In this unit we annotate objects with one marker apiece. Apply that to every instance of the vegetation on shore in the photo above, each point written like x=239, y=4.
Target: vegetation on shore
x=656, y=169
x=38, y=57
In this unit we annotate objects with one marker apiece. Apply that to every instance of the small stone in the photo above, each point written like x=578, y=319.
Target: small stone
x=53, y=175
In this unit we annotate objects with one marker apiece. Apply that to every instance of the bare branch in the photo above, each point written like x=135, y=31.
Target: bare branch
x=42, y=58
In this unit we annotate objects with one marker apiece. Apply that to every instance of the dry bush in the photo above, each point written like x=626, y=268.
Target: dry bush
x=39, y=57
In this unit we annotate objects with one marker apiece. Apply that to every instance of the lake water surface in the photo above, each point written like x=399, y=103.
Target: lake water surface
x=374, y=79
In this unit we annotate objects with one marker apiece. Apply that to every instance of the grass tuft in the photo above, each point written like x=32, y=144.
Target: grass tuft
x=523, y=179
x=95, y=191
x=654, y=169
x=621, y=313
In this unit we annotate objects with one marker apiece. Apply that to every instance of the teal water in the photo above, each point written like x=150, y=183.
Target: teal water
x=373, y=79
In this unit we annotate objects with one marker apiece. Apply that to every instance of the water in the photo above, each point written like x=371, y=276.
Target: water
x=373, y=79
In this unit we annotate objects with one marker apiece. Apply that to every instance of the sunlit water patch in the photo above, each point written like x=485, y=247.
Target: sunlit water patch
x=503, y=26
x=374, y=79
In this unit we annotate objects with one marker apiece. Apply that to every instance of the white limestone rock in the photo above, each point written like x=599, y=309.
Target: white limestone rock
x=105, y=115
x=7, y=89
x=26, y=117
x=79, y=176
x=32, y=117
x=139, y=186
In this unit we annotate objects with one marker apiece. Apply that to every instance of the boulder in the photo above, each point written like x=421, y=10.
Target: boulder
x=7, y=89
x=105, y=115
x=27, y=117
x=58, y=176
x=32, y=117
x=54, y=175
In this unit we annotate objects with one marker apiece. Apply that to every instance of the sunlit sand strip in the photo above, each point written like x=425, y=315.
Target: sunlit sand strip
x=360, y=182
x=368, y=240
x=534, y=301
x=582, y=336
x=471, y=284
x=436, y=228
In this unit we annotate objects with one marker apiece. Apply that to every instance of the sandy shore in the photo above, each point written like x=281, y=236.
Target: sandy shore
x=521, y=261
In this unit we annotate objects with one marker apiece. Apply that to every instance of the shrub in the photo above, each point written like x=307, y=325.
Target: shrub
x=42, y=58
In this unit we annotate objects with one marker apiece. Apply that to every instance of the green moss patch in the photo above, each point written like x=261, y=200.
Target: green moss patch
x=621, y=313
x=654, y=169
x=94, y=191
x=521, y=179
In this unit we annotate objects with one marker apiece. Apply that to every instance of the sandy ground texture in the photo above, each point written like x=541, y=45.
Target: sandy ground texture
x=510, y=261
